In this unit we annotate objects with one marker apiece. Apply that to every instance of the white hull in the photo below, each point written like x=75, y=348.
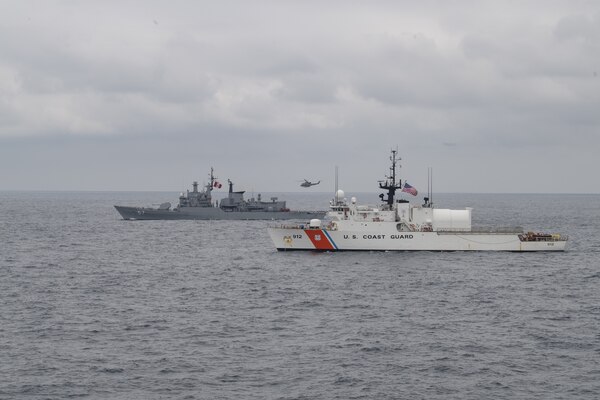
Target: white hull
x=382, y=238
x=397, y=225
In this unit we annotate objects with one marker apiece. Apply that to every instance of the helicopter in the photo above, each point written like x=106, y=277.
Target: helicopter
x=307, y=183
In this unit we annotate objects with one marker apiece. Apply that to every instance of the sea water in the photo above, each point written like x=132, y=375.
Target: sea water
x=92, y=306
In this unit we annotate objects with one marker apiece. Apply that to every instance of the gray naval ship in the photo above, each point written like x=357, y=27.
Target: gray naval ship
x=199, y=205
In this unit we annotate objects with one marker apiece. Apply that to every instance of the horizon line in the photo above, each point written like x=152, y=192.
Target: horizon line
x=257, y=192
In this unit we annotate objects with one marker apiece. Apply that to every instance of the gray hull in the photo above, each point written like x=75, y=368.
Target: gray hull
x=212, y=213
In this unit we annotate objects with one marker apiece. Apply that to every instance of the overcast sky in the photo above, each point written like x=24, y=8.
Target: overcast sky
x=495, y=96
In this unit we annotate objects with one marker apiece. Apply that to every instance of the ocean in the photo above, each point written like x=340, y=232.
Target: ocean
x=96, y=307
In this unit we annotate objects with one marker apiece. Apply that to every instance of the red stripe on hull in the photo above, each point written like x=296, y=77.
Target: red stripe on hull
x=319, y=239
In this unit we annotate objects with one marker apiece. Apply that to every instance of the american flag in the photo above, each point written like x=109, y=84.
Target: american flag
x=409, y=189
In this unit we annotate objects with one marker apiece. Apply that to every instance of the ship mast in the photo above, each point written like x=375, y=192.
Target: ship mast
x=210, y=186
x=390, y=183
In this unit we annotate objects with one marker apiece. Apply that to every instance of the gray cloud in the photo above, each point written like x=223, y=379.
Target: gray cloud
x=476, y=88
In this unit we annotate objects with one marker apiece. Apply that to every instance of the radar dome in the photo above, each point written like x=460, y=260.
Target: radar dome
x=339, y=195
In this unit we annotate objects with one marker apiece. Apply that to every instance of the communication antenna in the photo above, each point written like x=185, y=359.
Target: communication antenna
x=429, y=182
x=336, y=182
x=430, y=185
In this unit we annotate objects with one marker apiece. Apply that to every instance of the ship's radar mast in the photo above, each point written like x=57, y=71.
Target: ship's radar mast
x=212, y=177
x=211, y=183
x=390, y=183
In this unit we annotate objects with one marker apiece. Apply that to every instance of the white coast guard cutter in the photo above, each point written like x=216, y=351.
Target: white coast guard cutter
x=399, y=225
